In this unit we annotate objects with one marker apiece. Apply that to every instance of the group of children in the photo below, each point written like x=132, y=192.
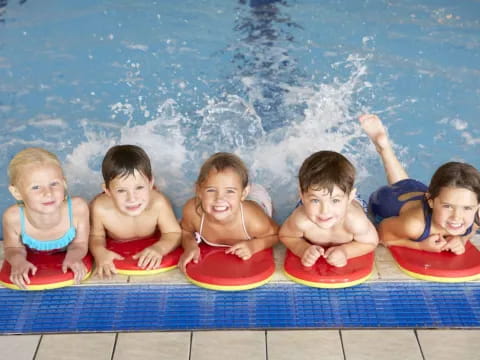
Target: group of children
x=328, y=222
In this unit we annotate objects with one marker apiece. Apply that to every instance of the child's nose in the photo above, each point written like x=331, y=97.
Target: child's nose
x=324, y=208
x=130, y=196
x=457, y=213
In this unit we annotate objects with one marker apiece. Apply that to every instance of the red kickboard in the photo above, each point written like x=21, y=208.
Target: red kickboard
x=322, y=274
x=442, y=265
x=220, y=271
x=129, y=248
x=49, y=273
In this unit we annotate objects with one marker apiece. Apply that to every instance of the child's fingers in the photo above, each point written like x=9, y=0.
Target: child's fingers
x=118, y=257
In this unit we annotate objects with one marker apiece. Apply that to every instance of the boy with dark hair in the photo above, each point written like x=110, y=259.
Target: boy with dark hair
x=329, y=222
x=130, y=208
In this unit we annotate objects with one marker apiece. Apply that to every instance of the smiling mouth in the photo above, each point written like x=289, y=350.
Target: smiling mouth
x=219, y=208
x=134, y=207
x=454, y=225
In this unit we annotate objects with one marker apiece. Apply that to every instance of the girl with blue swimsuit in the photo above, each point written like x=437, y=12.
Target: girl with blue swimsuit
x=44, y=218
x=440, y=217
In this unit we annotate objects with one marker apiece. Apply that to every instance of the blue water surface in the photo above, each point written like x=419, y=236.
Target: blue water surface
x=272, y=81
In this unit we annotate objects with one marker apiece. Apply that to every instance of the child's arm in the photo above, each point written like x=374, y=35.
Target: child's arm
x=79, y=246
x=97, y=242
x=292, y=236
x=191, y=250
x=365, y=240
x=403, y=230
x=262, y=229
x=14, y=251
x=170, y=238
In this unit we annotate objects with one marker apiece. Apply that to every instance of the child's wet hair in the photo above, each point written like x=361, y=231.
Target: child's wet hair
x=123, y=160
x=30, y=156
x=221, y=161
x=324, y=170
x=456, y=175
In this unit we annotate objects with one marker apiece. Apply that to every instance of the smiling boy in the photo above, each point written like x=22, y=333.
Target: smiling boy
x=130, y=208
x=329, y=222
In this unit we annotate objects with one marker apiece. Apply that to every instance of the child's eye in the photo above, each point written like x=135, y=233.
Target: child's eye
x=468, y=208
x=446, y=206
x=314, y=201
x=336, y=201
x=55, y=183
x=210, y=190
x=230, y=191
x=35, y=187
x=120, y=191
x=141, y=187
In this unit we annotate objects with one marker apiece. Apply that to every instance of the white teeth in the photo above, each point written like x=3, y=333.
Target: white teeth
x=220, y=208
x=455, y=225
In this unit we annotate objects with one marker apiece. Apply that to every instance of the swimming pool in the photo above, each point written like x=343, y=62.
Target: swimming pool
x=272, y=81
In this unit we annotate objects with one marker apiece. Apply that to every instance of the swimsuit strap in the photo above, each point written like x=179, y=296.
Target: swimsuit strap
x=427, y=214
x=70, y=211
x=243, y=222
x=22, y=220
x=201, y=224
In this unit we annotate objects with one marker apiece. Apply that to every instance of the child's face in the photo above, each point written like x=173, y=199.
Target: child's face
x=454, y=209
x=325, y=209
x=41, y=188
x=130, y=194
x=221, y=194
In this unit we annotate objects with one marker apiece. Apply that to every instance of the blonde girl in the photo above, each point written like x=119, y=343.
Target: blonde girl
x=45, y=218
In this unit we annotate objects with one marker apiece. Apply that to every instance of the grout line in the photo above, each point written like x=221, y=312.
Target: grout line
x=190, y=349
x=341, y=342
x=266, y=346
x=418, y=342
x=114, y=346
x=37, y=348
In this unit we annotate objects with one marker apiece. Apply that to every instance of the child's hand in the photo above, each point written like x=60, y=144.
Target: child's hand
x=192, y=254
x=19, y=273
x=311, y=255
x=336, y=256
x=455, y=245
x=78, y=268
x=433, y=243
x=105, y=264
x=241, y=249
x=149, y=258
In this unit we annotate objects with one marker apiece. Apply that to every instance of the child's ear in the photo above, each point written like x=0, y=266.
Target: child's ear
x=352, y=195
x=105, y=189
x=15, y=193
x=429, y=200
x=245, y=192
x=152, y=182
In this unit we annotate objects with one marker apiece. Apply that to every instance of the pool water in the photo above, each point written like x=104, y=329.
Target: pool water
x=272, y=81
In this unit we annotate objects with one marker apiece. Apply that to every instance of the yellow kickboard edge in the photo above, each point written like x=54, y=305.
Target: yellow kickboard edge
x=327, y=285
x=145, y=272
x=438, y=278
x=229, y=287
x=56, y=285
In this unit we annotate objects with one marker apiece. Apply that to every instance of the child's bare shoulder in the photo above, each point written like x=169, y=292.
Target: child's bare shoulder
x=79, y=204
x=101, y=204
x=356, y=221
x=256, y=216
x=159, y=199
x=298, y=220
x=191, y=210
x=11, y=216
